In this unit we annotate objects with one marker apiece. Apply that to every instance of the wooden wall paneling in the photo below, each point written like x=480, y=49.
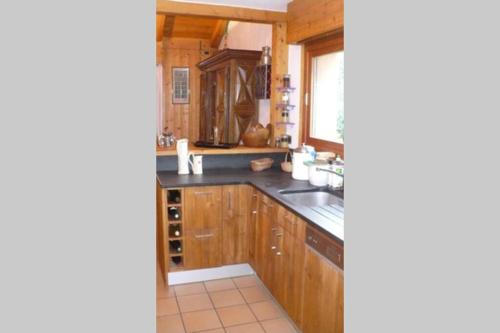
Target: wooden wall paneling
x=217, y=11
x=183, y=119
x=278, y=68
x=159, y=53
x=308, y=19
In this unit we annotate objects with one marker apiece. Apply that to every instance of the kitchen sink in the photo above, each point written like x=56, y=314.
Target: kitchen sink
x=324, y=201
x=315, y=196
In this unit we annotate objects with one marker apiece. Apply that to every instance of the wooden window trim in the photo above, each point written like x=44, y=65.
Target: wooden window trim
x=312, y=49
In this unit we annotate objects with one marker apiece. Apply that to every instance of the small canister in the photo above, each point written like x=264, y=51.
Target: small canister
x=285, y=140
x=284, y=116
x=286, y=81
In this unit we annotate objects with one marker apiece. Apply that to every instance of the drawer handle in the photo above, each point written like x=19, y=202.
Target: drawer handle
x=254, y=212
x=273, y=247
x=203, y=236
x=278, y=253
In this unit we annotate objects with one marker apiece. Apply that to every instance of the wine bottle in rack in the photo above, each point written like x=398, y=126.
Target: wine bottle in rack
x=175, y=230
x=174, y=213
x=174, y=196
x=175, y=246
x=177, y=260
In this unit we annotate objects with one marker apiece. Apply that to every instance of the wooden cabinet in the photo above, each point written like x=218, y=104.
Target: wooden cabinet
x=202, y=224
x=265, y=217
x=233, y=224
x=235, y=216
x=293, y=274
x=323, y=303
x=227, y=93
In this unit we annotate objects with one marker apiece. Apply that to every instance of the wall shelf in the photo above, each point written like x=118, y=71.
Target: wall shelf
x=284, y=123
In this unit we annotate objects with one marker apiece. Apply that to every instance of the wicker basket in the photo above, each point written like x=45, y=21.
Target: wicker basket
x=261, y=164
x=286, y=166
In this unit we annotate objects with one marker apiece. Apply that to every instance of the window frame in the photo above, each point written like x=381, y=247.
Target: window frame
x=314, y=48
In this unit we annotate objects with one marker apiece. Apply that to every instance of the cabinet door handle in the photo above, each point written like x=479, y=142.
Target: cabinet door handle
x=278, y=253
x=254, y=212
x=203, y=236
x=273, y=247
x=203, y=193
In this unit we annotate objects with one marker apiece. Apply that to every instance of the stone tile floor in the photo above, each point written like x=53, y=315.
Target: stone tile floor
x=237, y=305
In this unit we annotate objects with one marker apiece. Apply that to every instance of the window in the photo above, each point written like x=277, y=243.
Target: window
x=323, y=125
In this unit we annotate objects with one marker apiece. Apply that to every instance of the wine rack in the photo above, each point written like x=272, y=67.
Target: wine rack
x=174, y=218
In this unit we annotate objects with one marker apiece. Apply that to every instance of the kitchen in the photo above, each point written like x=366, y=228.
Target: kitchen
x=250, y=228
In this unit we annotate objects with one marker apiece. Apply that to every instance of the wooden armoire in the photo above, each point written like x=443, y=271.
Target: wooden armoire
x=227, y=93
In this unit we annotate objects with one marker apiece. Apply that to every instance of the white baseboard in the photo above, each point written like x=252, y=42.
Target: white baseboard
x=198, y=275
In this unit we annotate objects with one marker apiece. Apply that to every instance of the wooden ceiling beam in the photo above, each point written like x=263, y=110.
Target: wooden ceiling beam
x=169, y=25
x=218, y=33
x=160, y=22
x=168, y=7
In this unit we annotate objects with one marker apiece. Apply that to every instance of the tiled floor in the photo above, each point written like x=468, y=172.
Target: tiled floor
x=238, y=305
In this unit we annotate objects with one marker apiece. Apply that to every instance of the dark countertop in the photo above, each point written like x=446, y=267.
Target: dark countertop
x=270, y=182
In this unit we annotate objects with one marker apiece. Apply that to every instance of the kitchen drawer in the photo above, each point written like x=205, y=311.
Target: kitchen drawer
x=325, y=246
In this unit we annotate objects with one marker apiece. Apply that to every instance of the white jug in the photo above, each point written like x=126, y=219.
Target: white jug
x=196, y=164
x=182, y=157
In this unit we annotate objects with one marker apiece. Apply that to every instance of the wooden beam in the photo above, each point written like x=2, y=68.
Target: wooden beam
x=215, y=11
x=218, y=33
x=160, y=22
x=310, y=19
x=279, y=67
x=169, y=25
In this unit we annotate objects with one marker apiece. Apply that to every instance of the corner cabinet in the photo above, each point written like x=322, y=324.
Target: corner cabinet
x=227, y=92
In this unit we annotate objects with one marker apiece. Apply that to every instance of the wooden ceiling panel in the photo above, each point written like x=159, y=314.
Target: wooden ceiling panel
x=191, y=27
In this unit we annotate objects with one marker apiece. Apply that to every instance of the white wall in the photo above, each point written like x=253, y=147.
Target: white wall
x=253, y=36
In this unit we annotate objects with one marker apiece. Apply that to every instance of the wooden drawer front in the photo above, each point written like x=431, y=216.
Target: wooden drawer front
x=266, y=205
x=325, y=246
x=202, y=207
x=202, y=248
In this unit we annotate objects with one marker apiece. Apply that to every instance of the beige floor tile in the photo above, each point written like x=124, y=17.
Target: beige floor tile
x=164, y=292
x=166, y=306
x=169, y=324
x=190, y=289
x=226, y=298
x=246, y=281
x=197, y=302
x=281, y=325
x=266, y=310
x=246, y=328
x=201, y=320
x=254, y=294
x=236, y=315
x=217, y=285
x=218, y=330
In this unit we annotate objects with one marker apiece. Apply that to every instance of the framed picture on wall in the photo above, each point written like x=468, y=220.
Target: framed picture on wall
x=180, y=85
